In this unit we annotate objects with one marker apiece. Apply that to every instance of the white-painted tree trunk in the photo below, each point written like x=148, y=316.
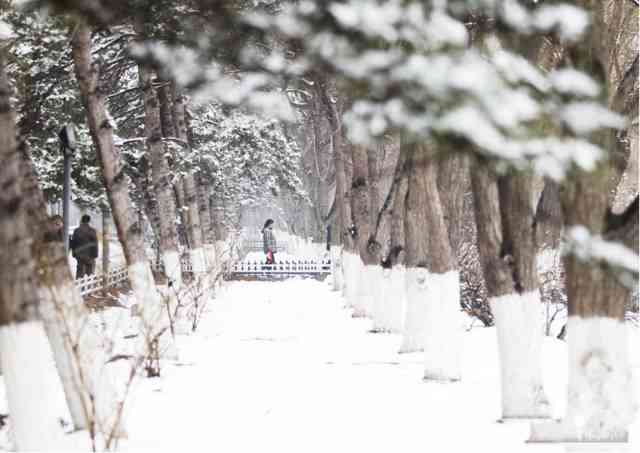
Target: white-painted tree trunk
x=210, y=254
x=221, y=251
x=396, y=299
x=151, y=309
x=519, y=326
x=198, y=260
x=67, y=369
x=336, y=267
x=363, y=293
x=376, y=281
x=173, y=268
x=601, y=400
x=82, y=357
x=443, y=331
x=419, y=291
x=345, y=274
x=26, y=359
x=351, y=278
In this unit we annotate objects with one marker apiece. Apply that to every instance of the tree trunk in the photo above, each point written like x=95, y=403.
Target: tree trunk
x=343, y=211
x=204, y=208
x=443, y=321
x=127, y=224
x=504, y=218
x=393, y=290
x=28, y=382
x=361, y=213
x=417, y=287
x=433, y=303
x=106, y=249
x=453, y=182
x=82, y=362
x=600, y=404
x=161, y=177
x=166, y=115
x=192, y=217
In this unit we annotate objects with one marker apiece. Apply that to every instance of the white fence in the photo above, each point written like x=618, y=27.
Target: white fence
x=90, y=284
x=307, y=267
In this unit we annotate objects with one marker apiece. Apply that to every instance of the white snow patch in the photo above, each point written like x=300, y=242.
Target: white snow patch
x=519, y=327
x=571, y=81
x=570, y=21
x=6, y=31
x=586, y=117
x=586, y=246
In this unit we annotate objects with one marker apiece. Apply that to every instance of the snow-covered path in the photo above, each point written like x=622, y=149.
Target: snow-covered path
x=283, y=367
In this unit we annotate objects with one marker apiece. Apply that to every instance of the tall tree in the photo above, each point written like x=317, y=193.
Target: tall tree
x=189, y=187
x=34, y=427
x=127, y=222
x=432, y=281
x=506, y=242
x=599, y=280
x=161, y=177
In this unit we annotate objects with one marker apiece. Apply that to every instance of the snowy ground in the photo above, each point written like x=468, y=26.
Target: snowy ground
x=283, y=367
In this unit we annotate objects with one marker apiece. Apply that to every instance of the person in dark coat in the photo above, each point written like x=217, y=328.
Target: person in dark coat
x=269, y=241
x=84, y=247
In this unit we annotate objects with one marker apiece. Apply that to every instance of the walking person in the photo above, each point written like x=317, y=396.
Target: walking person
x=84, y=247
x=269, y=241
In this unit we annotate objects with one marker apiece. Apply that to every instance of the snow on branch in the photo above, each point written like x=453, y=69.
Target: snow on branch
x=580, y=243
x=413, y=71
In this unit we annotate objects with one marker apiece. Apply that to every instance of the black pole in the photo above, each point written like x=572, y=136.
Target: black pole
x=65, y=200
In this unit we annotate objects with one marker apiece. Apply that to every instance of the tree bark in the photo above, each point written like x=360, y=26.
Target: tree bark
x=506, y=242
x=453, y=182
x=34, y=427
x=599, y=369
x=393, y=275
x=432, y=282
x=161, y=177
x=365, y=261
x=127, y=223
x=189, y=188
x=78, y=350
x=342, y=222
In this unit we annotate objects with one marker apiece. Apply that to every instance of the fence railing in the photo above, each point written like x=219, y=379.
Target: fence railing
x=90, y=284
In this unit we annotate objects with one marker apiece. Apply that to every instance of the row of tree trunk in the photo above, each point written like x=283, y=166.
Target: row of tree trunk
x=399, y=262
x=41, y=310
